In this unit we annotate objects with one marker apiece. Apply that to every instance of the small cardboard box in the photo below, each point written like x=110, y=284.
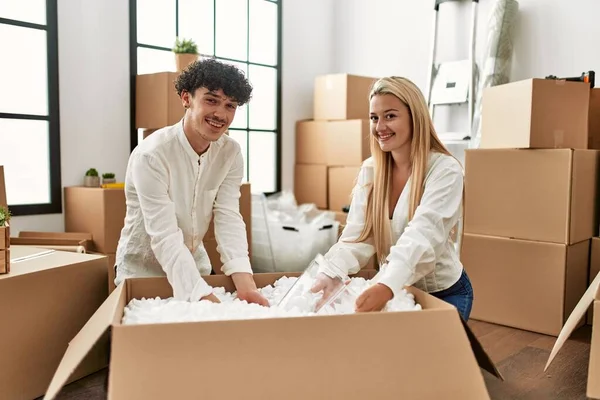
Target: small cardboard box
x=44, y=301
x=341, y=181
x=590, y=297
x=310, y=184
x=4, y=230
x=536, y=113
x=542, y=195
x=147, y=363
x=524, y=284
x=342, y=96
x=157, y=102
x=332, y=143
x=99, y=211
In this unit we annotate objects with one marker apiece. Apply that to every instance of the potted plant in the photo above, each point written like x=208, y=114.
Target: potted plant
x=4, y=216
x=108, y=177
x=186, y=52
x=91, y=178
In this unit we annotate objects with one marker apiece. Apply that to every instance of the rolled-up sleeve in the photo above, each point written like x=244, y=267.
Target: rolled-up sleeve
x=414, y=254
x=347, y=255
x=150, y=178
x=230, y=229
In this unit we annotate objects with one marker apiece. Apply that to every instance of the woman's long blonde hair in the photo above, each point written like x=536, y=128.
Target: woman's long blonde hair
x=424, y=140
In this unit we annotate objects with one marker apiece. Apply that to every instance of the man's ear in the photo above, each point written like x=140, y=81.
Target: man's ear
x=186, y=99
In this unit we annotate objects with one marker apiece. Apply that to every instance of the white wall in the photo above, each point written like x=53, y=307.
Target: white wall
x=93, y=55
x=385, y=37
x=308, y=50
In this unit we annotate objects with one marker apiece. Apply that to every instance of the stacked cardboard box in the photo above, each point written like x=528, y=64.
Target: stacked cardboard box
x=4, y=230
x=156, y=102
x=530, y=204
x=331, y=147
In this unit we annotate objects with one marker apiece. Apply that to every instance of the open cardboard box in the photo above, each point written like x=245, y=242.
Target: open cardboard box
x=418, y=355
x=592, y=295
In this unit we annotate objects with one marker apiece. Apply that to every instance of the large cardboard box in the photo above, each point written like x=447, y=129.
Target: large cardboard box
x=147, y=363
x=341, y=96
x=594, y=269
x=590, y=297
x=99, y=211
x=333, y=143
x=157, y=104
x=544, y=195
x=525, y=284
x=4, y=230
x=44, y=301
x=310, y=184
x=594, y=119
x=341, y=182
x=536, y=113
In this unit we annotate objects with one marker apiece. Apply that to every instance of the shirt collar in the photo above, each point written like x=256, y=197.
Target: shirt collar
x=187, y=147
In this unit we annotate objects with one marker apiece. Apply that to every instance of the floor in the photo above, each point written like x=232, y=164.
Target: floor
x=519, y=355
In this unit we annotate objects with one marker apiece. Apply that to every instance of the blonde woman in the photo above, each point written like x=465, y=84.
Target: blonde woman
x=407, y=200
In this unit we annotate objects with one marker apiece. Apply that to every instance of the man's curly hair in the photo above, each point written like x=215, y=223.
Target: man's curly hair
x=214, y=75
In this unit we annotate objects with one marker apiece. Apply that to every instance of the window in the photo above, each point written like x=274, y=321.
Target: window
x=245, y=33
x=29, y=119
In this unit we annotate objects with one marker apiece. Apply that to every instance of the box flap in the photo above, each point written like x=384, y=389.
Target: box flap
x=576, y=316
x=483, y=359
x=84, y=341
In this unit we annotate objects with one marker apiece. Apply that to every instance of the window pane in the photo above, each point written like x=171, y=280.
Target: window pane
x=263, y=106
x=156, y=22
x=23, y=73
x=262, y=161
x=25, y=157
x=150, y=61
x=241, y=115
x=196, y=21
x=232, y=29
x=242, y=138
x=29, y=11
x=263, y=32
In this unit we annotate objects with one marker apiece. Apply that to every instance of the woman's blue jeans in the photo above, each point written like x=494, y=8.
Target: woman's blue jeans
x=460, y=295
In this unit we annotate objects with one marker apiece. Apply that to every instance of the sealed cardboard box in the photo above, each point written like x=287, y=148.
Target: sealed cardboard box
x=525, y=284
x=341, y=182
x=146, y=363
x=99, y=211
x=594, y=119
x=310, y=184
x=44, y=301
x=157, y=102
x=590, y=297
x=341, y=96
x=333, y=143
x=544, y=195
x=536, y=113
x=594, y=269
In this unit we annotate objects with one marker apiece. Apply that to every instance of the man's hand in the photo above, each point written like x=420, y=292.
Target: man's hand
x=246, y=289
x=211, y=297
x=374, y=298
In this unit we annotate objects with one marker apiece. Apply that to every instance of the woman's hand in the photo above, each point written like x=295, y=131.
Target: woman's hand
x=328, y=285
x=374, y=298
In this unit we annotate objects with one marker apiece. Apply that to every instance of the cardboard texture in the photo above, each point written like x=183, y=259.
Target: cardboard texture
x=524, y=284
x=543, y=114
x=4, y=230
x=341, y=182
x=45, y=300
x=310, y=184
x=590, y=297
x=146, y=363
x=541, y=195
x=66, y=241
x=594, y=269
x=594, y=119
x=332, y=143
x=157, y=102
x=341, y=96
x=98, y=211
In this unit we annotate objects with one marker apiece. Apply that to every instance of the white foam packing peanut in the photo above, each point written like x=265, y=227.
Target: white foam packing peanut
x=156, y=310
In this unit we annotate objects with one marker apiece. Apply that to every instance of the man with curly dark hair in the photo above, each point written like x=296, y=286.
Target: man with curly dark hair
x=181, y=175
